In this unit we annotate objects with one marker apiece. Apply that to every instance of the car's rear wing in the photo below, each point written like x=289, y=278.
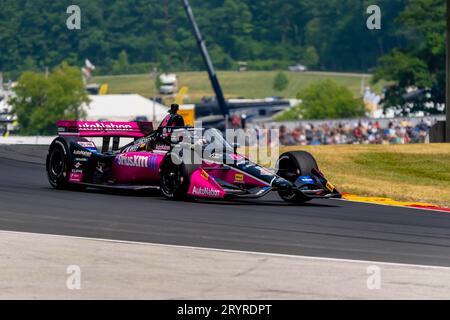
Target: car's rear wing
x=104, y=128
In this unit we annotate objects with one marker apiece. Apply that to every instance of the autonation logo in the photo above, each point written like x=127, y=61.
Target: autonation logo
x=102, y=126
x=206, y=192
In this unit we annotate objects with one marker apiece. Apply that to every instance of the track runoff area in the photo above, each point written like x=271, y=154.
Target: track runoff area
x=249, y=249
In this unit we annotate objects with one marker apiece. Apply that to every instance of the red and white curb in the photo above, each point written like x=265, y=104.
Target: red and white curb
x=395, y=203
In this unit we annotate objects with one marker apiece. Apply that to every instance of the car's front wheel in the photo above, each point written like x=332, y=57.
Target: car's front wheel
x=175, y=179
x=292, y=165
x=58, y=164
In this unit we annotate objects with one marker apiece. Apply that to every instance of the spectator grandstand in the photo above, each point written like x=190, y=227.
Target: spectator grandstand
x=386, y=131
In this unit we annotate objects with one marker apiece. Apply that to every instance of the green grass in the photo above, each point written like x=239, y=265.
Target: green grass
x=251, y=84
x=401, y=172
x=426, y=169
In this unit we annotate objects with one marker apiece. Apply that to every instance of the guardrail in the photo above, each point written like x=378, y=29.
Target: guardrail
x=34, y=140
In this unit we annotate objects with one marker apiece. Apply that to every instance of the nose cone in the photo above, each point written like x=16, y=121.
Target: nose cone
x=281, y=183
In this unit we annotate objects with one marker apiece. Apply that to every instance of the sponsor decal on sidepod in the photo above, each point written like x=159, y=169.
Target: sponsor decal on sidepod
x=82, y=153
x=86, y=144
x=137, y=161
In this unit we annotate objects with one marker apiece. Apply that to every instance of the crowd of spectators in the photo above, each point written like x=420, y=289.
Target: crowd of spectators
x=360, y=132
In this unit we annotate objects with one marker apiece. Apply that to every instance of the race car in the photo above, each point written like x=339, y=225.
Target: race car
x=164, y=159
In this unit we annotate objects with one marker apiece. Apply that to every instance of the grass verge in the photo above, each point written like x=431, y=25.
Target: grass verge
x=402, y=172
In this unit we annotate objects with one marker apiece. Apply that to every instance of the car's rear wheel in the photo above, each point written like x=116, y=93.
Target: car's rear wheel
x=58, y=164
x=291, y=165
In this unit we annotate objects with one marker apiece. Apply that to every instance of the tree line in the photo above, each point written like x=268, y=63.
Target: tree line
x=269, y=34
x=125, y=36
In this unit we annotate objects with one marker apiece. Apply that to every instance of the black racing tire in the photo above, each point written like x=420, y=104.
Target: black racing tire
x=291, y=165
x=175, y=178
x=58, y=164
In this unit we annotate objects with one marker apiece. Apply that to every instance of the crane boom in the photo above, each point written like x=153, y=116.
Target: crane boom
x=207, y=60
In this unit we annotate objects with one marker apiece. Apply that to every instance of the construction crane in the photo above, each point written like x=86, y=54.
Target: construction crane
x=207, y=60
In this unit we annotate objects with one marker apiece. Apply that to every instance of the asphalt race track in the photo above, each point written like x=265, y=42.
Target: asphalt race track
x=331, y=228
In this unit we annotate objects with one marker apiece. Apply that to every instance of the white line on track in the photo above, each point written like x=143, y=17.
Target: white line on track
x=230, y=251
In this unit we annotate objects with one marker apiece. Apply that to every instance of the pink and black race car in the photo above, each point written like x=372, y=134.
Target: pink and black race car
x=174, y=160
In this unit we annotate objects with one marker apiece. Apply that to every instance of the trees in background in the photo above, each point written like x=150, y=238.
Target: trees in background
x=328, y=35
x=420, y=64
x=122, y=64
x=280, y=82
x=137, y=35
x=325, y=100
x=42, y=99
